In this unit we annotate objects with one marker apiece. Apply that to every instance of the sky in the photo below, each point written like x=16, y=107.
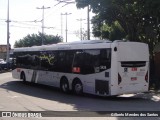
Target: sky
x=23, y=13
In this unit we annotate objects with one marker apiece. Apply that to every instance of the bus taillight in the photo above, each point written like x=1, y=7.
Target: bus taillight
x=76, y=69
x=146, y=77
x=119, y=79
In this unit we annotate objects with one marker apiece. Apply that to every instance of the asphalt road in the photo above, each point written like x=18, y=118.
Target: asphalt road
x=17, y=96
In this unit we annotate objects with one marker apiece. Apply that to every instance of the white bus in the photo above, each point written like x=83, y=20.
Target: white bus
x=96, y=67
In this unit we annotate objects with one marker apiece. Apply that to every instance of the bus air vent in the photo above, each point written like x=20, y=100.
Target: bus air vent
x=133, y=64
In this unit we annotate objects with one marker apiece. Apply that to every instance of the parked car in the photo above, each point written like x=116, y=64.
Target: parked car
x=1, y=61
x=3, y=65
x=6, y=66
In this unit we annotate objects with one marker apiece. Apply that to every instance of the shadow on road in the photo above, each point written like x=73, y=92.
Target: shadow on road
x=137, y=102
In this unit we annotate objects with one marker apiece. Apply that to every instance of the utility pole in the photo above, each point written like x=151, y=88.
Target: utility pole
x=61, y=25
x=8, y=45
x=88, y=23
x=66, y=23
x=80, y=27
x=43, y=8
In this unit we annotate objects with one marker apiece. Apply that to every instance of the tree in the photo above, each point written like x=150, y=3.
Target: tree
x=107, y=31
x=116, y=32
x=36, y=39
x=139, y=19
x=109, y=11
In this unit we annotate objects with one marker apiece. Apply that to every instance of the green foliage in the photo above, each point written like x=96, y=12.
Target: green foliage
x=116, y=32
x=139, y=20
x=103, y=30
x=36, y=40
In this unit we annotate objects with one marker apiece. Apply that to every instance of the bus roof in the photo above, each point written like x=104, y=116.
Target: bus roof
x=85, y=44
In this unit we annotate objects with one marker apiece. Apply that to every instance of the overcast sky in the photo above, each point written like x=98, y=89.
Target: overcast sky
x=24, y=12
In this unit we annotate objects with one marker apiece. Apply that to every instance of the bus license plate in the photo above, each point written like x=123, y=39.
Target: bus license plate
x=134, y=69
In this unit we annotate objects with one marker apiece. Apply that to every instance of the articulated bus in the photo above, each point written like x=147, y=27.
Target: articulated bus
x=98, y=67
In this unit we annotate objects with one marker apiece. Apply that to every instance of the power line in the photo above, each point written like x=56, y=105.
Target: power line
x=50, y=12
x=20, y=22
x=53, y=12
x=23, y=23
x=3, y=19
x=23, y=27
x=88, y=14
x=26, y=24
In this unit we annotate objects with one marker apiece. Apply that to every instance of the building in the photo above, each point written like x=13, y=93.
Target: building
x=3, y=52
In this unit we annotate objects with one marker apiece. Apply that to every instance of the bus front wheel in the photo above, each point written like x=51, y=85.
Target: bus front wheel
x=77, y=87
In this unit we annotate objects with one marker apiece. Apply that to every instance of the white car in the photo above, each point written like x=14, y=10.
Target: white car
x=3, y=64
x=2, y=61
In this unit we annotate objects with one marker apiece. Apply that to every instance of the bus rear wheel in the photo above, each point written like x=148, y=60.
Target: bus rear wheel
x=77, y=87
x=64, y=85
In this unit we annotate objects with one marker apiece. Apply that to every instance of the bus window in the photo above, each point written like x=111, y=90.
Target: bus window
x=105, y=59
x=48, y=60
x=91, y=62
x=28, y=60
x=78, y=59
x=64, y=63
x=68, y=61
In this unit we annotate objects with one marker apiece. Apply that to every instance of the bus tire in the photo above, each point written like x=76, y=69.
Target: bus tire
x=77, y=87
x=64, y=85
x=23, y=77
